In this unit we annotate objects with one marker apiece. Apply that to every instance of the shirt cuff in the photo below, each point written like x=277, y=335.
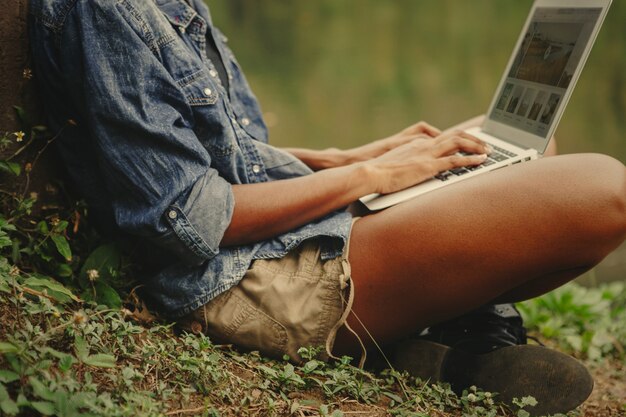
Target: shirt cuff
x=200, y=218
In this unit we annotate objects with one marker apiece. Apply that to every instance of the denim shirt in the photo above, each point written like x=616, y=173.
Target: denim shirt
x=155, y=142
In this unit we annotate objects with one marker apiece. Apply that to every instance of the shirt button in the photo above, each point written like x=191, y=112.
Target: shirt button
x=207, y=92
x=172, y=214
x=245, y=121
x=256, y=169
x=213, y=73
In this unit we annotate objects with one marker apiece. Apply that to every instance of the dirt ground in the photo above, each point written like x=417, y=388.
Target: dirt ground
x=608, y=398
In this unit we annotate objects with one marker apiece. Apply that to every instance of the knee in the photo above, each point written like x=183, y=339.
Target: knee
x=608, y=182
x=616, y=187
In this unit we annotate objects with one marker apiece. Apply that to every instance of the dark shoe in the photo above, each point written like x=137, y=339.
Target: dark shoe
x=557, y=381
x=483, y=330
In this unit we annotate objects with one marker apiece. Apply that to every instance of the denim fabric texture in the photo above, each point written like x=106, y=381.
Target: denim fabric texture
x=157, y=142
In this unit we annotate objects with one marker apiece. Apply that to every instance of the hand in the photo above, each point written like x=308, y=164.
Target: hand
x=420, y=159
x=333, y=157
x=420, y=130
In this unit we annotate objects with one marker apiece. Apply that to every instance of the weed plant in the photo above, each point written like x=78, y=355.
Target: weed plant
x=72, y=358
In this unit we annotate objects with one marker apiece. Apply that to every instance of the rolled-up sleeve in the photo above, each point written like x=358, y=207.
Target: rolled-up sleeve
x=155, y=170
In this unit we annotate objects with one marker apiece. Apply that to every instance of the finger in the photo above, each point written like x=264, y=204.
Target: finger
x=456, y=161
x=426, y=128
x=455, y=144
x=461, y=133
x=430, y=130
x=469, y=136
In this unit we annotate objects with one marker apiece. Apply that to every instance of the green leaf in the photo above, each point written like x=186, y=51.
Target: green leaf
x=44, y=407
x=64, y=271
x=7, y=405
x=20, y=113
x=4, y=224
x=6, y=347
x=5, y=239
x=40, y=390
x=16, y=256
x=105, y=294
x=100, y=360
x=22, y=401
x=65, y=364
x=8, y=376
x=62, y=246
x=10, y=167
x=103, y=259
x=54, y=288
x=82, y=350
x=529, y=400
x=60, y=227
x=23, y=119
x=42, y=226
x=43, y=364
x=54, y=352
x=393, y=396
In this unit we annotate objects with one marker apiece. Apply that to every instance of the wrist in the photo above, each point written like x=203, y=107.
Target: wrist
x=362, y=179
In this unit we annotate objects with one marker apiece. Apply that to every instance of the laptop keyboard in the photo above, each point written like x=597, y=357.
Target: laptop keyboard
x=498, y=155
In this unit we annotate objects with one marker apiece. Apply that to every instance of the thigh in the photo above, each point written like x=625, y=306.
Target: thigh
x=452, y=250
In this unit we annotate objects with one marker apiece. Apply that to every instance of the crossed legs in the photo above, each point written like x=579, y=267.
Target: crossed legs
x=504, y=236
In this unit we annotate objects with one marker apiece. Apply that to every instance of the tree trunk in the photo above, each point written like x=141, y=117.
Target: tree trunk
x=16, y=86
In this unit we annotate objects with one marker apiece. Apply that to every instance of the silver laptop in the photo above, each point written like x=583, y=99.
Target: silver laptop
x=531, y=97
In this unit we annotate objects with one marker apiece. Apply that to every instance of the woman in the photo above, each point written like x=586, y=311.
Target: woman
x=254, y=245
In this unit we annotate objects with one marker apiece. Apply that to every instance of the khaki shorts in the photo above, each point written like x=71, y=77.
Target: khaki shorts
x=281, y=305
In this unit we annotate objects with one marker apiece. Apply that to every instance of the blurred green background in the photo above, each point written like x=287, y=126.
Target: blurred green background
x=343, y=72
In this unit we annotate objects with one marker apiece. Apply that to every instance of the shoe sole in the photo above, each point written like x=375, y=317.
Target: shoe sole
x=557, y=381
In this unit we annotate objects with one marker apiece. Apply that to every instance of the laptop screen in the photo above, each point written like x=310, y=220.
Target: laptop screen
x=543, y=67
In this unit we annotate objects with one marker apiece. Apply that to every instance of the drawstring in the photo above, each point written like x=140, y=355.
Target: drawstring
x=345, y=281
x=206, y=319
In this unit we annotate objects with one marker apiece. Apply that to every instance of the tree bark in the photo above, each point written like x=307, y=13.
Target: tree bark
x=16, y=85
x=18, y=88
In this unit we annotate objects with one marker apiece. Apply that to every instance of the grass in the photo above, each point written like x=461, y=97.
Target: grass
x=75, y=359
x=63, y=357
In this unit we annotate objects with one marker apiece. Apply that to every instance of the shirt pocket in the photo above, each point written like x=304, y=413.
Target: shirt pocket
x=198, y=89
x=207, y=116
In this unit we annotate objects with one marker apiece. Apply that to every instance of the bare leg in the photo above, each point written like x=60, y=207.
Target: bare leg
x=507, y=235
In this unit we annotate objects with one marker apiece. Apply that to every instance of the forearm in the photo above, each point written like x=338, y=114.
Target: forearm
x=268, y=209
x=333, y=157
x=318, y=160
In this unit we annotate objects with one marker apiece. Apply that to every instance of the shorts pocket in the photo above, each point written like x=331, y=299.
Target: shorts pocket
x=232, y=319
